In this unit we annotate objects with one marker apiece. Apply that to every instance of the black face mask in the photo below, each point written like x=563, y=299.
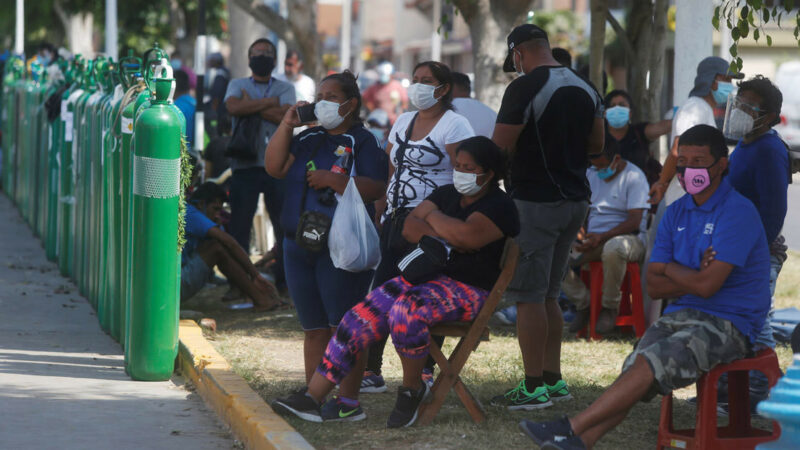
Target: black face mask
x=262, y=65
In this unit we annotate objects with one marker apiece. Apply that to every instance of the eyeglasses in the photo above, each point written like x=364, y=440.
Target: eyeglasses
x=595, y=155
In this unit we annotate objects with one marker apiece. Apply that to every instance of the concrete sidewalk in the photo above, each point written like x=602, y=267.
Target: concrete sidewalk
x=62, y=382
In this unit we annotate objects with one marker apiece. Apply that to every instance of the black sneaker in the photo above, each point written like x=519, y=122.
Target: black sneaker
x=541, y=432
x=570, y=443
x=299, y=404
x=406, y=408
x=335, y=410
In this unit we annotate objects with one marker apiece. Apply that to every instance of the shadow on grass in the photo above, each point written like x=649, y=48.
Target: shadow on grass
x=266, y=349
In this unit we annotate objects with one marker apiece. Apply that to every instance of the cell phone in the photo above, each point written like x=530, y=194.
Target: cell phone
x=306, y=113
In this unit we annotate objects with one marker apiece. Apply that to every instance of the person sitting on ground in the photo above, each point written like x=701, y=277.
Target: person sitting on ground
x=634, y=138
x=616, y=233
x=208, y=246
x=721, y=302
x=481, y=117
x=475, y=217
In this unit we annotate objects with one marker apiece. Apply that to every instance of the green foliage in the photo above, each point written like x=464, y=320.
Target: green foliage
x=186, y=180
x=141, y=22
x=743, y=16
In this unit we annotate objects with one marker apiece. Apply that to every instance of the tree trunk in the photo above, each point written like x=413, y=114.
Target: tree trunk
x=597, y=42
x=489, y=23
x=640, y=34
x=244, y=29
x=299, y=30
x=183, y=33
x=657, y=62
x=79, y=28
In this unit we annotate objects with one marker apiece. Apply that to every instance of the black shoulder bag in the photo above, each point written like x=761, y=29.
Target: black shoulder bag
x=396, y=242
x=313, y=226
x=244, y=141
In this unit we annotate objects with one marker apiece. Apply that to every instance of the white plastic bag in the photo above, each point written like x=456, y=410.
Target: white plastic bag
x=353, y=241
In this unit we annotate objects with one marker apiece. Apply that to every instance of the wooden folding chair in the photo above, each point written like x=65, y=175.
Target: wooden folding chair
x=471, y=334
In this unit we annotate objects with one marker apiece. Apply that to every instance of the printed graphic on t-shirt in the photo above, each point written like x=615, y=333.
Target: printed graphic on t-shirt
x=418, y=174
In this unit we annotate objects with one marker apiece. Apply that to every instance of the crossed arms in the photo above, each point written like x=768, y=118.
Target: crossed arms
x=671, y=280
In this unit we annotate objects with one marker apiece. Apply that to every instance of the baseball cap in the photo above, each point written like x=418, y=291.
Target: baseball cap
x=518, y=35
x=707, y=70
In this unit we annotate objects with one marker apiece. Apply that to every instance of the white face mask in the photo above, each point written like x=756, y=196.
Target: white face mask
x=466, y=183
x=328, y=114
x=421, y=95
x=738, y=125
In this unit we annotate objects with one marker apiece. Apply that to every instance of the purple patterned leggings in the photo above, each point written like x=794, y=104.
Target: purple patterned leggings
x=406, y=312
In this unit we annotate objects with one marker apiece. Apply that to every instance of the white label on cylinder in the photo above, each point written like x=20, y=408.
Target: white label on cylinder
x=127, y=125
x=155, y=177
x=68, y=127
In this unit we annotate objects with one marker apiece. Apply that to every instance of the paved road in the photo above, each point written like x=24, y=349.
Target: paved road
x=791, y=227
x=62, y=382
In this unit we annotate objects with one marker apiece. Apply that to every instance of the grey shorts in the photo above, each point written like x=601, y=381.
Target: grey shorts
x=194, y=275
x=684, y=344
x=547, y=232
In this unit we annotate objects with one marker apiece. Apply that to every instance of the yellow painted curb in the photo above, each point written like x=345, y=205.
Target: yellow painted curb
x=251, y=420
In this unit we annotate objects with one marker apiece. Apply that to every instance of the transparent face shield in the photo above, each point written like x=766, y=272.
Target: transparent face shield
x=741, y=118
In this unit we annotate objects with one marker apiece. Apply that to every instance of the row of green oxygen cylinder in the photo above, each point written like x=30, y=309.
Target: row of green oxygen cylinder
x=99, y=182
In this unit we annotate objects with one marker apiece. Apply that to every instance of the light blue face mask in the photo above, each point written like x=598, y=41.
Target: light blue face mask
x=618, y=116
x=722, y=92
x=606, y=172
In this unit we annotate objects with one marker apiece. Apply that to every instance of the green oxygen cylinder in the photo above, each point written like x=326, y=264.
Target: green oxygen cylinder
x=11, y=74
x=87, y=192
x=66, y=184
x=126, y=165
x=156, y=187
x=113, y=214
x=99, y=209
x=129, y=68
x=78, y=177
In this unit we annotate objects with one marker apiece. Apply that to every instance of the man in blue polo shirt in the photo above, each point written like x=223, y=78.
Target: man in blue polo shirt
x=207, y=245
x=721, y=302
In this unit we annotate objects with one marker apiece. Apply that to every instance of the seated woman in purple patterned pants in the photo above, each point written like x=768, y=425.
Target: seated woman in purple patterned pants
x=474, y=216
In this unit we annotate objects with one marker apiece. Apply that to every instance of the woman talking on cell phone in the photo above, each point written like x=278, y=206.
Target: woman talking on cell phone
x=421, y=149
x=318, y=164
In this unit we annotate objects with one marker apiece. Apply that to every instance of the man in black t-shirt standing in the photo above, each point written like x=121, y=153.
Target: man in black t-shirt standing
x=549, y=122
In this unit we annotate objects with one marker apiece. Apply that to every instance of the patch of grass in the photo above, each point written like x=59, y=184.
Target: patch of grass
x=787, y=289
x=266, y=349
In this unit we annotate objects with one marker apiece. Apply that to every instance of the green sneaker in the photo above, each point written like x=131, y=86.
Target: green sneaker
x=558, y=392
x=520, y=399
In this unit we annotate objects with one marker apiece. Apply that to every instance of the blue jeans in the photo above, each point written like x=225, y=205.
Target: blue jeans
x=321, y=292
x=759, y=387
x=246, y=184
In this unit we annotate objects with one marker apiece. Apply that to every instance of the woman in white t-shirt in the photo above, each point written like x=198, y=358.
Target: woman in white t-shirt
x=420, y=162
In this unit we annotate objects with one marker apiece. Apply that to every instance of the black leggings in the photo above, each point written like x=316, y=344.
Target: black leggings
x=387, y=269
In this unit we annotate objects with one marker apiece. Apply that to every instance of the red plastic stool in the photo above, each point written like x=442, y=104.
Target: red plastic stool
x=631, y=305
x=739, y=434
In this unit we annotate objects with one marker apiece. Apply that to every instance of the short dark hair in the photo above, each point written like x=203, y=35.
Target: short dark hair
x=771, y=97
x=349, y=85
x=293, y=52
x=181, y=81
x=207, y=193
x=443, y=75
x=706, y=136
x=617, y=93
x=462, y=80
x=261, y=41
x=563, y=56
x=487, y=155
